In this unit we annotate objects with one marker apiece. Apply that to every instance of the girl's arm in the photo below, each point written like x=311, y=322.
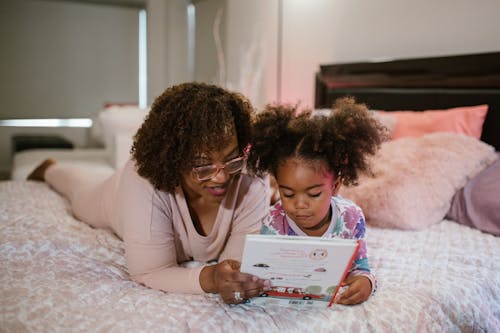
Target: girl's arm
x=361, y=266
x=354, y=227
x=360, y=281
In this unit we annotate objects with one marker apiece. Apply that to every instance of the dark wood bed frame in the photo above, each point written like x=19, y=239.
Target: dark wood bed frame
x=418, y=84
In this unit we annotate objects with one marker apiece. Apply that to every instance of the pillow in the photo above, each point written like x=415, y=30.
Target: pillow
x=322, y=112
x=386, y=120
x=118, y=125
x=108, y=110
x=467, y=120
x=415, y=179
x=476, y=205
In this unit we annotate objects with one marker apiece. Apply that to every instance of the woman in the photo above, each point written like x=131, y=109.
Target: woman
x=182, y=197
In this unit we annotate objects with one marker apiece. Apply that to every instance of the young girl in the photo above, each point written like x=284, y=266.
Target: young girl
x=310, y=158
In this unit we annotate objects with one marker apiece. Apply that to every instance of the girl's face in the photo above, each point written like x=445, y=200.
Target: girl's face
x=306, y=189
x=213, y=189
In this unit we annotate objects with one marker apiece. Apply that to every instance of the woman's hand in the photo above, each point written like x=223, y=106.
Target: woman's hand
x=358, y=290
x=233, y=286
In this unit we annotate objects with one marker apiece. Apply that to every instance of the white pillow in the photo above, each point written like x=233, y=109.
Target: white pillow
x=321, y=112
x=119, y=125
x=120, y=149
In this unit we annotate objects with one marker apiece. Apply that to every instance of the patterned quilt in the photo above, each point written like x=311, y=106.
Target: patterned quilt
x=59, y=275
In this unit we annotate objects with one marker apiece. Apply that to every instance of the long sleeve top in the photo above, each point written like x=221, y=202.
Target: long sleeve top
x=156, y=226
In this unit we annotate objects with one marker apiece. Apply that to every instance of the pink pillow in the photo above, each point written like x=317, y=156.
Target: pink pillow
x=467, y=120
x=476, y=204
x=415, y=179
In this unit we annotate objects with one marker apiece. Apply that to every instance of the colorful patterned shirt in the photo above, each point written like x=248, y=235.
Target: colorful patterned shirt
x=347, y=222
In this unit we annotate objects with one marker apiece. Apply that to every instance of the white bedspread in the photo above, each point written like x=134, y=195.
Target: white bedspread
x=59, y=275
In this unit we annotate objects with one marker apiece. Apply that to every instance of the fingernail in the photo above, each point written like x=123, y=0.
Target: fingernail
x=255, y=279
x=267, y=283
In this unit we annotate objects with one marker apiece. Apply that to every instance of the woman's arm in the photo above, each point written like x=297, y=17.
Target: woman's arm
x=145, y=218
x=151, y=253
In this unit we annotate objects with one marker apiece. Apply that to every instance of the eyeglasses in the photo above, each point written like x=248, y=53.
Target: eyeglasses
x=207, y=172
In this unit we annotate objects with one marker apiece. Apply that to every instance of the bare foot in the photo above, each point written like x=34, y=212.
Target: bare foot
x=39, y=173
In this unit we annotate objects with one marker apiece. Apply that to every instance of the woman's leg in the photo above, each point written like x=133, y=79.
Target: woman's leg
x=90, y=196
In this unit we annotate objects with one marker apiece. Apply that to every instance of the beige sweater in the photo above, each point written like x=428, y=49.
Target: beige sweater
x=156, y=226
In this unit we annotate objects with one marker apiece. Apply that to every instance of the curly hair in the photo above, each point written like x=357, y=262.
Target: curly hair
x=342, y=139
x=186, y=120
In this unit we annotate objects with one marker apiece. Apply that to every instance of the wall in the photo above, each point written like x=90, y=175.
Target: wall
x=167, y=45
x=62, y=60
x=168, y=48
x=65, y=59
x=251, y=49
x=206, y=67
x=326, y=31
x=318, y=32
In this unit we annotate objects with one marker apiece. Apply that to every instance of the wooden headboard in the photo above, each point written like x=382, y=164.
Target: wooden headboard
x=418, y=84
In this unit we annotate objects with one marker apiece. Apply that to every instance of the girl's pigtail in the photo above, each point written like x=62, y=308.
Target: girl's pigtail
x=269, y=135
x=357, y=136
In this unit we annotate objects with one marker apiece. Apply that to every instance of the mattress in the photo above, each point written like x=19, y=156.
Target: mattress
x=59, y=274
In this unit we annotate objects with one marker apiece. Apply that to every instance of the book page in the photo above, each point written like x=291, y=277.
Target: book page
x=300, y=268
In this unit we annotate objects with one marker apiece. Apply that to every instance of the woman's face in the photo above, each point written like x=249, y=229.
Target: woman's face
x=213, y=189
x=306, y=189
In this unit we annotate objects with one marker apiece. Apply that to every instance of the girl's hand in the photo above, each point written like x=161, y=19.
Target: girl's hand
x=358, y=290
x=233, y=286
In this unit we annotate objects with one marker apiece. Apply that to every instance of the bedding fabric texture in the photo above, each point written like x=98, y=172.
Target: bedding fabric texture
x=415, y=179
x=59, y=275
x=477, y=204
x=467, y=120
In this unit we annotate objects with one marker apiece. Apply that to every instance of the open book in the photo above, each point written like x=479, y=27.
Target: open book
x=305, y=271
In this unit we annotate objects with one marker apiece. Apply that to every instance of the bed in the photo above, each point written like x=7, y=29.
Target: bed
x=443, y=115
x=58, y=274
